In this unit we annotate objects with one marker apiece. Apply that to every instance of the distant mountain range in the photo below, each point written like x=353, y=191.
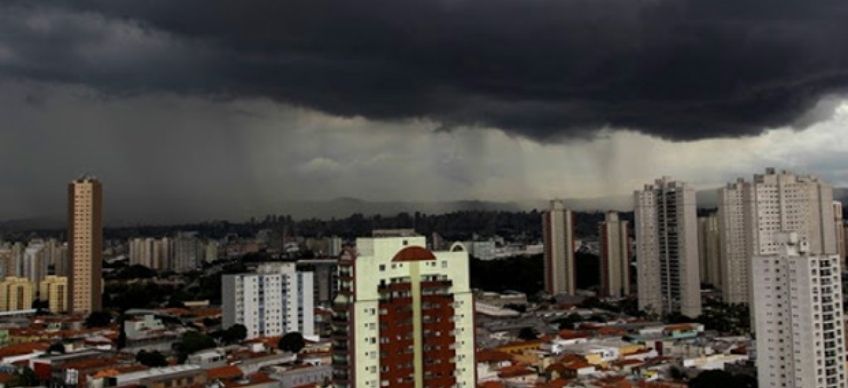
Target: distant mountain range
x=344, y=207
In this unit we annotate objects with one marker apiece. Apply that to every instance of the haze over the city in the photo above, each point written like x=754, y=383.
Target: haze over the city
x=205, y=109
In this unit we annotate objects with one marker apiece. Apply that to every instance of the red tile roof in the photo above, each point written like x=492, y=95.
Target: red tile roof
x=573, y=334
x=490, y=384
x=515, y=371
x=23, y=348
x=491, y=355
x=224, y=372
x=557, y=383
x=414, y=253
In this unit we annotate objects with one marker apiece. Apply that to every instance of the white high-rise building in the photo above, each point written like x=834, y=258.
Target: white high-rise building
x=558, y=233
x=735, y=255
x=35, y=262
x=152, y=253
x=667, y=248
x=752, y=213
x=615, y=256
x=138, y=252
x=839, y=230
x=275, y=300
x=57, y=257
x=709, y=250
x=404, y=315
x=799, y=323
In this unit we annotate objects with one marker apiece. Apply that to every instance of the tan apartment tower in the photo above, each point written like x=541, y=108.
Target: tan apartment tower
x=615, y=256
x=558, y=233
x=404, y=315
x=54, y=291
x=85, y=244
x=15, y=294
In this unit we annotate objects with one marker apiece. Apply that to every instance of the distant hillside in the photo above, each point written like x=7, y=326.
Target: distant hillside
x=344, y=207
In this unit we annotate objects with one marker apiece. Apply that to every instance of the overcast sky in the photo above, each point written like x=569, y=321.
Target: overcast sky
x=229, y=108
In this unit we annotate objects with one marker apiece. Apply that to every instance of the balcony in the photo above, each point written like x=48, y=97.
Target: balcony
x=428, y=284
x=394, y=287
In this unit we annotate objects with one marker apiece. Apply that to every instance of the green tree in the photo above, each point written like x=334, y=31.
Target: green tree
x=234, y=334
x=39, y=304
x=98, y=319
x=56, y=347
x=726, y=318
x=192, y=341
x=569, y=321
x=24, y=377
x=291, y=342
x=720, y=378
x=136, y=271
x=528, y=333
x=152, y=359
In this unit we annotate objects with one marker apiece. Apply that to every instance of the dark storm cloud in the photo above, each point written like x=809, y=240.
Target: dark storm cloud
x=538, y=68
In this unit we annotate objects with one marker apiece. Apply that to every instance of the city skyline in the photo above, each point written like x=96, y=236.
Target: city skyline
x=415, y=194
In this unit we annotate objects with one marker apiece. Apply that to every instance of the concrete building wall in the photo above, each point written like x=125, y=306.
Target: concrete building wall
x=85, y=244
x=54, y=290
x=558, y=233
x=709, y=250
x=733, y=236
x=752, y=213
x=16, y=294
x=667, y=248
x=799, y=323
x=615, y=256
x=396, y=279
x=839, y=230
x=274, y=301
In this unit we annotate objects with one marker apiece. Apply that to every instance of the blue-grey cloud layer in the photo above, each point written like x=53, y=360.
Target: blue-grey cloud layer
x=678, y=69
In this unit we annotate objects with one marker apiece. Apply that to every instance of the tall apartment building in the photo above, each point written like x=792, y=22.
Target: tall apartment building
x=404, y=316
x=57, y=257
x=734, y=235
x=325, y=277
x=839, y=230
x=15, y=294
x=36, y=262
x=141, y=252
x=799, y=323
x=325, y=246
x=752, y=213
x=709, y=250
x=54, y=290
x=845, y=243
x=275, y=300
x=188, y=252
x=12, y=256
x=6, y=261
x=85, y=244
x=183, y=253
x=614, y=242
x=667, y=248
x=558, y=233
x=210, y=253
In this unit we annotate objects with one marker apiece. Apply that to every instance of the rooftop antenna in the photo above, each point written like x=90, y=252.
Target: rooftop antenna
x=87, y=176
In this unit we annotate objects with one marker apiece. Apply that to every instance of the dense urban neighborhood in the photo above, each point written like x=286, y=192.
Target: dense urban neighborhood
x=654, y=298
